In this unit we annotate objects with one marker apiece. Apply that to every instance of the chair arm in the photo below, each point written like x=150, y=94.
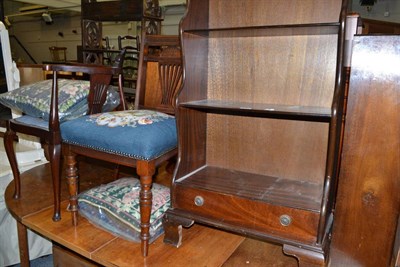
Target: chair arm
x=115, y=69
x=84, y=68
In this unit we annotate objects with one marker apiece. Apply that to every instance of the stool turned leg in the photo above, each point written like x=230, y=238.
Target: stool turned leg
x=146, y=171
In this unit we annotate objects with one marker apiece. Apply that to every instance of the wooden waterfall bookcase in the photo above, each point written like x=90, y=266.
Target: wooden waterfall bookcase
x=259, y=122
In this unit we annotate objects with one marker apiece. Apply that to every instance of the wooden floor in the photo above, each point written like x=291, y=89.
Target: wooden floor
x=202, y=246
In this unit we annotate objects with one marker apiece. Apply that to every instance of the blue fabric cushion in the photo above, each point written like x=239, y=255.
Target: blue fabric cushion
x=139, y=134
x=116, y=208
x=35, y=122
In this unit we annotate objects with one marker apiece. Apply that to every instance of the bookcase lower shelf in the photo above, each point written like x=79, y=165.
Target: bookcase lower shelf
x=292, y=193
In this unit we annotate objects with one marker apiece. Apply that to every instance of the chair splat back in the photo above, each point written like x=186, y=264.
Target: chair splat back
x=165, y=52
x=98, y=92
x=99, y=84
x=170, y=74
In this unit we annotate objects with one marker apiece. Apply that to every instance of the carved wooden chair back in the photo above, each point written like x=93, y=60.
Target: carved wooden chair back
x=158, y=90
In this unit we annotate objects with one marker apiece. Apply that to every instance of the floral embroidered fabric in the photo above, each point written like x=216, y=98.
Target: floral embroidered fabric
x=116, y=208
x=130, y=118
x=34, y=99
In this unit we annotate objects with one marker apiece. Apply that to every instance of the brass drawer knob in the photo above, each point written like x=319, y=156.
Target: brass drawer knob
x=285, y=220
x=199, y=201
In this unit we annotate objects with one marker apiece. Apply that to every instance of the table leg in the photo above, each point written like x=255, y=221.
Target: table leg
x=23, y=244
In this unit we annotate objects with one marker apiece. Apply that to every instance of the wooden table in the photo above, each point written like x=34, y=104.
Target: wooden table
x=203, y=246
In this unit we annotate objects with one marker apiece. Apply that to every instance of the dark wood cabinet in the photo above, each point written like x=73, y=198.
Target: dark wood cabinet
x=368, y=199
x=395, y=261
x=259, y=122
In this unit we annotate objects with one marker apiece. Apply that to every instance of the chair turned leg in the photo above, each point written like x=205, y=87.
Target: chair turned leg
x=9, y=138
x=55, y=162
x=146, y=171
x=72, y=180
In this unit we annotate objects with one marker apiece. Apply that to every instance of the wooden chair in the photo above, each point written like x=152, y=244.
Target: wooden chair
x=107, y=56
x=130, y=71
x=140, y=147
x=129, y=42
x=58, y=54
x=131, y=62
x=49, y=131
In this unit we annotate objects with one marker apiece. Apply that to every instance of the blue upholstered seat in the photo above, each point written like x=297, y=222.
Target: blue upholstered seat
x=138, y=134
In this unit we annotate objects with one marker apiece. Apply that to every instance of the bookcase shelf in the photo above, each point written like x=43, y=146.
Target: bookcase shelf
x=269, y=30
x=274, y=190
x=293, y=112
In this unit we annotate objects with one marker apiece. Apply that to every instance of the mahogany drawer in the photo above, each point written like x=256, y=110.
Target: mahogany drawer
x=246, y=215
